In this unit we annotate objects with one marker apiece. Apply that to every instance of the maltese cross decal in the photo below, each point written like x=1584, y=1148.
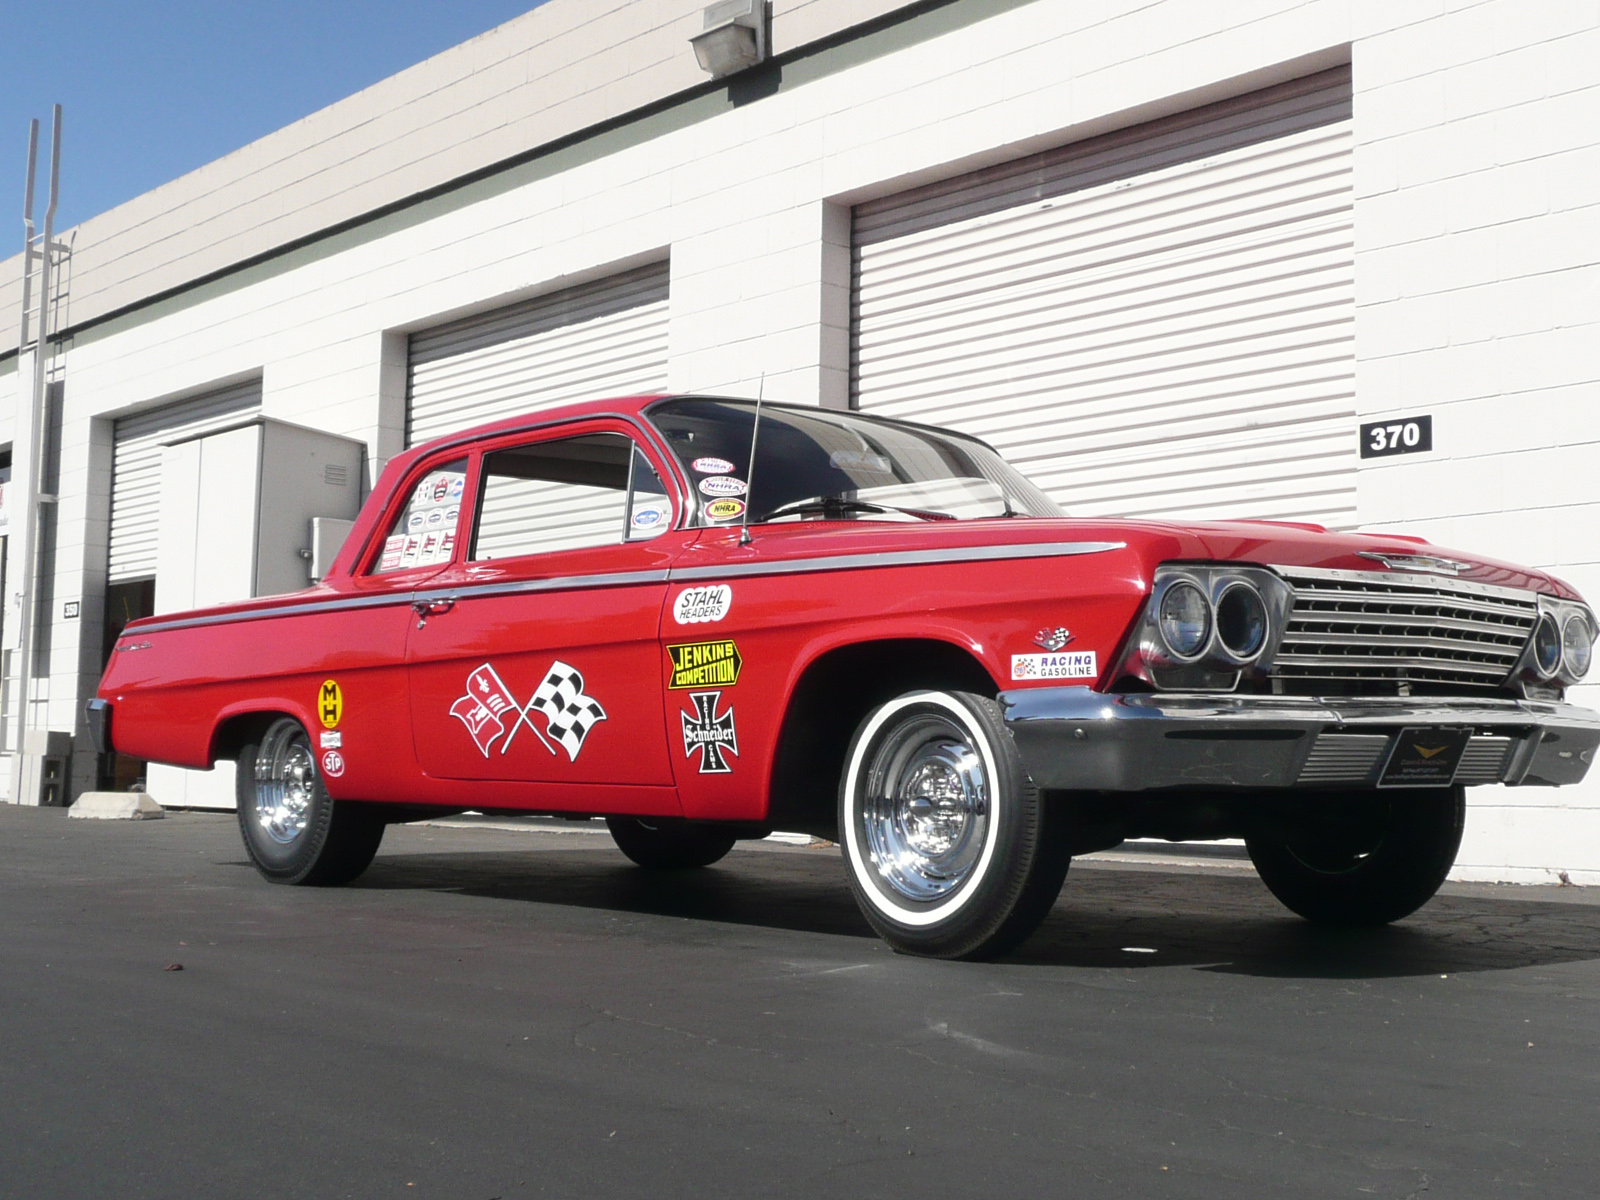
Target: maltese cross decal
x=708, y=733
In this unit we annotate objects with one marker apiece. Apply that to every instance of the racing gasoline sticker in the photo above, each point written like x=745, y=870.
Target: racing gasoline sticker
x=330, y=704
x=1079, y=664
x=704, y=664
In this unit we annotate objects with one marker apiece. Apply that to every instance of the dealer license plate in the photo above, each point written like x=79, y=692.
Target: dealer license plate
x=1425, y=757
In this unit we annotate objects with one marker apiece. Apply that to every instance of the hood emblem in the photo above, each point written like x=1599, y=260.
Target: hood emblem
x=1052, y=639
x=1426, y=563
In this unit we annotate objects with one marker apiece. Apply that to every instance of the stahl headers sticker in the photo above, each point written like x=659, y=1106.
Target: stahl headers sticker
x=700, y=605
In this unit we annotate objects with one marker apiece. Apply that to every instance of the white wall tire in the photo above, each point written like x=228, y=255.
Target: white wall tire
x=950, y=850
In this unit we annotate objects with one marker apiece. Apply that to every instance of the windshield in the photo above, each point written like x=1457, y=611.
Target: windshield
x=821, y=464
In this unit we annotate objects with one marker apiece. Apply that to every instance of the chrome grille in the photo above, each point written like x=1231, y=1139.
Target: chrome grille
x=1354, y=759
x=1366, y=632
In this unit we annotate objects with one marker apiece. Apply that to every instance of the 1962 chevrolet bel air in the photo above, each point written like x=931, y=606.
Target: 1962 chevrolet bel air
x=705, y=619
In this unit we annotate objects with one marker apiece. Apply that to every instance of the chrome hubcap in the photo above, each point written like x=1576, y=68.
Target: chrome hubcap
x=286, y=777
x=924, y=813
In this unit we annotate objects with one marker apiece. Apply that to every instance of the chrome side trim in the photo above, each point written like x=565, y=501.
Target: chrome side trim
x=282, y=610
x=899, y=558
x=836, y=562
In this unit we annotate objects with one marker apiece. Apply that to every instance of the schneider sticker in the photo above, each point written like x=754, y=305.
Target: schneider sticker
x=1077, y=664
x=704, y=664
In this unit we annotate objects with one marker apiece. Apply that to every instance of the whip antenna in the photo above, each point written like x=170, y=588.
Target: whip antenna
x=750, y=473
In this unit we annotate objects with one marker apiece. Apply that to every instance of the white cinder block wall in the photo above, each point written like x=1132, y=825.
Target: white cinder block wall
x=1477, y=170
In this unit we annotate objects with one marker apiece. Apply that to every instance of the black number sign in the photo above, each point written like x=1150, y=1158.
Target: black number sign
x=1404, y=435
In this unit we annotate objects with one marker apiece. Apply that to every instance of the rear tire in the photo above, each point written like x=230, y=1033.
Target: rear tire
x=667, y=845
x=293, y=831
x=951, y=850
x=1370, y=872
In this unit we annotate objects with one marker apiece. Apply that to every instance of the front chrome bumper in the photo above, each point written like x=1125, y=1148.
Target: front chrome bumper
x=1072, y=737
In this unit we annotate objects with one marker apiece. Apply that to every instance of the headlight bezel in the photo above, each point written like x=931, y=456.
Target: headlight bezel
x=1213, y=667
x=1539, y=681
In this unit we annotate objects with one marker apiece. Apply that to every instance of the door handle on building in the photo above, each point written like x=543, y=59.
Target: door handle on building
x=431, y=608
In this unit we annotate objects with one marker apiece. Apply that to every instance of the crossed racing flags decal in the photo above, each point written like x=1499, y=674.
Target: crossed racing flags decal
x=569, y=714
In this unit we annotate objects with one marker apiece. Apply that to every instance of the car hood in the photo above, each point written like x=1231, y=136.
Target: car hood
x=1268, y=543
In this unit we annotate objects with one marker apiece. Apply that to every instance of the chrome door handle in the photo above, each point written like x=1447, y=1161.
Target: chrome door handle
x=431, y=608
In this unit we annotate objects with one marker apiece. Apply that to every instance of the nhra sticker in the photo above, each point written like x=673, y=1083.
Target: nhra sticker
x=724, y=510
x=331, y=740
x=330, y=704
x=711, y=735
x=333, y=764
x=568, y=713
x=704, y=664
x=1079, y=664
x=701, y=605
x=722, y=485
x=712, y=466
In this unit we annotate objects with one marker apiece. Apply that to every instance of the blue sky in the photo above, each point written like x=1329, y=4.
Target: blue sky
x=155, y=88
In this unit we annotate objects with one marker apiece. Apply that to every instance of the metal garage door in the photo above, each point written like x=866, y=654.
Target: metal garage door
x=136, y=468
x=607, y=338
x=1157, y=322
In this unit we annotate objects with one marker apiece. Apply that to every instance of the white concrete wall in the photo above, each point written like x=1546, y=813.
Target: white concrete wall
x=1476, y=267
x=1477, y=168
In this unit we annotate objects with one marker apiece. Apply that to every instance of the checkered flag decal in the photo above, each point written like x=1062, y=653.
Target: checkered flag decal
x=569, y=713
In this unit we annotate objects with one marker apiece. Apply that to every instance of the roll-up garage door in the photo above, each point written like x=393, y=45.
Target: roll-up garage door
x=607, y=338
x=1156, y=322
x=136, y=468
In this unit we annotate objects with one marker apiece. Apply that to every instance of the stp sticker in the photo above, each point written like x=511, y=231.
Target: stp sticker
x=1078, y=664
x=724, y=510
x=704, y=664
x=330, y=703
x=331, y=739
x=333, y=764
x=568, y=712
x=712, y=466
x=701, y=605
x=713, y=736
x=722, y=485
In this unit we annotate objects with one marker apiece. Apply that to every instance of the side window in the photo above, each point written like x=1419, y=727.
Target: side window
x=565, y=494
x=424, y=534
x=649, y=506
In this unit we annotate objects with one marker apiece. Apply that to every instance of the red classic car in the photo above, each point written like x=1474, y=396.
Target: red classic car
x=704, y=619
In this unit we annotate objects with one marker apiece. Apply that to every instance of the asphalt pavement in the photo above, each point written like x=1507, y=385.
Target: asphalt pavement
x=507, y=1013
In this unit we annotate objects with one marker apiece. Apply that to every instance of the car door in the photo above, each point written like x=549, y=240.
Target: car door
x=535, y=656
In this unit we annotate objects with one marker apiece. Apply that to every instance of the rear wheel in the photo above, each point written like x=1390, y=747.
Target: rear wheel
x=951, y=851
x=1371, y=859
x=293, y=830
x=668, y=845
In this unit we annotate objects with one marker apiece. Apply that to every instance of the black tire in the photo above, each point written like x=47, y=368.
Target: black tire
x=947, y=877
x=293, y=831
x=667, y=845
x=1382, y=865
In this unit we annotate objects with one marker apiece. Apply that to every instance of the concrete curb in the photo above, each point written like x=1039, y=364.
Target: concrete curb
x=116, y=806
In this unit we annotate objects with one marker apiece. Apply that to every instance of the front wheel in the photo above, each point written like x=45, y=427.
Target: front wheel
x=293, y=830
x=951, y=850
x=1368, y=859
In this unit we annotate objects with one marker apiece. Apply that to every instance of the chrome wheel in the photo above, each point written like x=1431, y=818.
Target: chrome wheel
x=286, y=783
x=925, y=805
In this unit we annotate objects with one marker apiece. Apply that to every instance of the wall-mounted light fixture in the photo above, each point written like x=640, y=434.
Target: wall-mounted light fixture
x=734, y=37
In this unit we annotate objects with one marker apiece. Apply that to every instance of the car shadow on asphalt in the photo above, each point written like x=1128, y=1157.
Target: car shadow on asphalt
x=1105, y=918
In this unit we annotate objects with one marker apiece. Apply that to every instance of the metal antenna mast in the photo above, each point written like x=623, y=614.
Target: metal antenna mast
x=40, y=254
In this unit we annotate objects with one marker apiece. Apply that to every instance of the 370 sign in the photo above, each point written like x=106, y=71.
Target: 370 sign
x=1409, y=435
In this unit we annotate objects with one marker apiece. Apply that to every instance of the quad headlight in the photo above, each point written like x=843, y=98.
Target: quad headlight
x=1561, y=648
x=1206, y=625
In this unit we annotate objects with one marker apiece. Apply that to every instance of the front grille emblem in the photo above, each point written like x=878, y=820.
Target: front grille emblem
x=1052, y=639
x=1426, y=563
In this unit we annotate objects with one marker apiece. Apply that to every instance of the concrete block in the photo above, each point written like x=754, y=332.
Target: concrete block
x=116, y=806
